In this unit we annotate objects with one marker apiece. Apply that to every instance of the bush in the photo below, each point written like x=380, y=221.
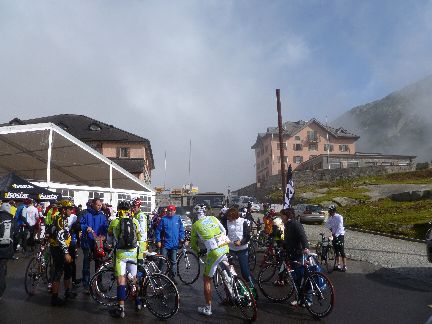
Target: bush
x=422, y=166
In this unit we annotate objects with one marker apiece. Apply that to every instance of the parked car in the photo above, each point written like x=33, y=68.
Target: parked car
x=307, y=213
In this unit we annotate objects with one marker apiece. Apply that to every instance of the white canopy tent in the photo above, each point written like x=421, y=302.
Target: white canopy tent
x=51, y=157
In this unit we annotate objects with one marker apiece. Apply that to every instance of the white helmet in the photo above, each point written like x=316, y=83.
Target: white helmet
x=200, y=210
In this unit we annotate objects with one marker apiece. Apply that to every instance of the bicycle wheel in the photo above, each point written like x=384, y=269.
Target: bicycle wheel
x=244, y=299
x=274, y=285
x=252, y=258
x=219, y=286
x=330, y=259
x=162, y=263
x=103, y=286
x=35, y=273
x=319, y=293
x=188, y=267
x=160, y=296
x=318, y=251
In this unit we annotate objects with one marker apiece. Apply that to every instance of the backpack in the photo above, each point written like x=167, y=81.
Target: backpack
x=7, y=229
x=128, y=234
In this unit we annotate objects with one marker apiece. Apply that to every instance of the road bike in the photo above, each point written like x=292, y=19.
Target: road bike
x=188, y=265
x=38, y=270
x=157, y=292
x=233, y=290
x=312, y=289
x=325, y=252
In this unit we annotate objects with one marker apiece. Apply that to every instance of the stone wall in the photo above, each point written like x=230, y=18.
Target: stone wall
x=307, y=177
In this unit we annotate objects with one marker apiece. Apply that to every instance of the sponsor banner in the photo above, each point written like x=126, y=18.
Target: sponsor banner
x=16, y=195
x=22, y=186
x=47, y=197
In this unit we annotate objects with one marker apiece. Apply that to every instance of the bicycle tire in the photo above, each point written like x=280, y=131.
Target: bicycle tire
x=244, y=299
x=188, y=267
x=267, y=278
x=322, y=296
x=331, y=259
x=219, y=285
x=158, y=290
x=103, y=286
x=32, y=276
x=318, y=251
x=162, y=262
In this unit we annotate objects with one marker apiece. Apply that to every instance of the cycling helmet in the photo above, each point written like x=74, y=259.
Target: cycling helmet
x=136, y=202
x=171, y=208
x=123, y=205
x=332, y=209
x=200, y=210
x=66, y=203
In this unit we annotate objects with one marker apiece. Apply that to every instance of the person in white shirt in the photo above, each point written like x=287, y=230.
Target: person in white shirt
x=31, y=215
x=335, y=225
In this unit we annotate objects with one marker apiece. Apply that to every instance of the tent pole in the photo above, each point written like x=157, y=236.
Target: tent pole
x=111, y=183
x=50, y=137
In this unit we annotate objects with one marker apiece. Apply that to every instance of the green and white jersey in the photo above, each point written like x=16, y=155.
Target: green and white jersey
x=206, y=228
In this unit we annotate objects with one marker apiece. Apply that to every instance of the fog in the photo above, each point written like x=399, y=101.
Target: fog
x=206, y=71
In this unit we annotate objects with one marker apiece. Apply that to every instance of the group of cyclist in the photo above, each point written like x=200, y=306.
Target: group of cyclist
x=128, y=233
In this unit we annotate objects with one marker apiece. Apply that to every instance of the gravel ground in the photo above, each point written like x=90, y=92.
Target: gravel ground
x=403, y=257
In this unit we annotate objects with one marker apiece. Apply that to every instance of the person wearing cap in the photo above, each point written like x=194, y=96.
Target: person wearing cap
x=171, y=226
x=336, y=226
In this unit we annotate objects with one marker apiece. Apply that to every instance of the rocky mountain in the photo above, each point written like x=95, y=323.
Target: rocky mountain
x=400, y=123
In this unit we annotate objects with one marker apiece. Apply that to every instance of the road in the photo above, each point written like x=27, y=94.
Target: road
x=365, y=294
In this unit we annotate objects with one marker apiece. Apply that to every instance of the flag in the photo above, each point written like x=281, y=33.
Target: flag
x=289, y=193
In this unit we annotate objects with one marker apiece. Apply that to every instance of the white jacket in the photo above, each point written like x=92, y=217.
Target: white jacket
x=236, y=231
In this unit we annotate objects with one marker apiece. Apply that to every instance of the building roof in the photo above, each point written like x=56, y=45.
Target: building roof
x=292, y=128
x=134, y=165
x=87, y=129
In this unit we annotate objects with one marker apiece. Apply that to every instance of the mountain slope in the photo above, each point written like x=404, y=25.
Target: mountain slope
x=400, y=123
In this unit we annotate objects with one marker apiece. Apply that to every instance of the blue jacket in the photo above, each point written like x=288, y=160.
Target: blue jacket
x=172, y=231
x=18, y=217
x=97, y=221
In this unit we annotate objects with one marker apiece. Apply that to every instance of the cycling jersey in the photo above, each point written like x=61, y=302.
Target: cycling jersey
x=207, y=229
x=124, y=255
x=143, y=226
x=59, y=233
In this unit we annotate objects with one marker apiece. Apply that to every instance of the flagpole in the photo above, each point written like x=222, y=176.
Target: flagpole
x=165, y=172
x=281, y=146
x=328, y=145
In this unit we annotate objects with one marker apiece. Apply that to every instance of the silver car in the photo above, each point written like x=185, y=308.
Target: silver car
x=307, y=213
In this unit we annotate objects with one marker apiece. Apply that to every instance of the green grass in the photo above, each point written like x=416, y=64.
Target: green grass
x=401, y=218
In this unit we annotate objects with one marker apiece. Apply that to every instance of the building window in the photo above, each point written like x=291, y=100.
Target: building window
x=344, y=148
x=328, y=147
x=267, y=174
x=297, y=147
x=312, y=156
x=313, y=147
x=312, y=136
x=123, y=152
x=94, y=127
x=283, y=145
x=298, y=159
x=335, y=165
x=297, y=138
x=285, y=159
x=352, y=164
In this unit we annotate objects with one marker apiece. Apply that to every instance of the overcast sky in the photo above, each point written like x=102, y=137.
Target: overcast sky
x=206, y=71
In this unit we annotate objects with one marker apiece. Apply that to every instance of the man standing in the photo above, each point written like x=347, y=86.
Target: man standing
x=335, y=225
x=92, y=221
x=32, y=216
x=143, y=224
x=296, y=245
x=170, y=233
x=8, y=228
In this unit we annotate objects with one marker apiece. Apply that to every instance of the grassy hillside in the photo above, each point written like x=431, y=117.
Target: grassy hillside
x=385, y=215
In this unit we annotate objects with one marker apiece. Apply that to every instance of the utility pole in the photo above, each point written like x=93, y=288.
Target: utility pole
x=281, y=146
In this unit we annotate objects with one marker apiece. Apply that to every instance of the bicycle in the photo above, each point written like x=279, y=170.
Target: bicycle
x=158, y=293
x=38, y=269
x=188, y=265
x=229, y=287
x=325, y=252
x=277, y=283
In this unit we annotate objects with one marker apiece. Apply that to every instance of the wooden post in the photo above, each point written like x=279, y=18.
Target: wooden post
x=281, y=146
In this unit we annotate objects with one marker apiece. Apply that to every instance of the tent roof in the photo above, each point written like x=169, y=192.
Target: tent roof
x=24, y=150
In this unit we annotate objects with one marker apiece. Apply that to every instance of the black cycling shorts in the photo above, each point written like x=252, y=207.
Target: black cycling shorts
x=60, y=264
x=338, y=244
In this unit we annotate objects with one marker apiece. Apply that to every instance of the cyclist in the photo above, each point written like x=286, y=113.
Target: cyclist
x=335, y=224
x=238, y=231
x=295, y=244
x=125, y=232
x=212, y=232
x=60, y=240
x=171, y=227
x=142, y=220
